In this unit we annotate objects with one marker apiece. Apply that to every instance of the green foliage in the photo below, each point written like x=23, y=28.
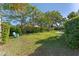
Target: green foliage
x=12, y=29
x=72, y=32
x=72, y=14
x=29, y=29
x=33, y=29
x=16, y=29
x=42, y=29
x=56, y=18
x=5, y=32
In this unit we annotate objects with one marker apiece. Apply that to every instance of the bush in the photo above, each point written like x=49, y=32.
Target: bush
x=16, y=29
x=42, y=29
x=5, y=32
x=12, y=29
x=32, y=29
x=72, y=32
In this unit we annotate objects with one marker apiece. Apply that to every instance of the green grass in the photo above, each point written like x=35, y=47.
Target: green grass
x=25, y=44
x=45, y=43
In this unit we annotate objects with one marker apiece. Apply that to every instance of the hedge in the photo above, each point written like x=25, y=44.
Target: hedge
x=72, y=32
x=32, y=29
x=5, y=32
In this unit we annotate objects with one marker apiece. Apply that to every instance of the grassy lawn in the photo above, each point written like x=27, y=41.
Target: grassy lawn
x=45, y=43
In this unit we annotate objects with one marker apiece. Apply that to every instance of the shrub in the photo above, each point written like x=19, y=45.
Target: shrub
x=12, y=29
x=36, y=29
x=5, y=32
x=32, y=29
x=42, y=29
x=72, y=32
x=16, y=29
x=29, y=29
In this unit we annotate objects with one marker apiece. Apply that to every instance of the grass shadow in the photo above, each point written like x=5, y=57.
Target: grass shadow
x=54, y=46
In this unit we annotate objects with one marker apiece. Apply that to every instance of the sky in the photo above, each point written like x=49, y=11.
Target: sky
x=63, y=8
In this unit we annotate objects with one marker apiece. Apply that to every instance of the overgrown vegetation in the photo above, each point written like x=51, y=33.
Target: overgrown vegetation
x=5, y=32
x=72, y=32
x=34, y=29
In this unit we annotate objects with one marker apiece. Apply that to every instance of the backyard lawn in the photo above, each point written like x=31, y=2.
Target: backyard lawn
x=37, y=44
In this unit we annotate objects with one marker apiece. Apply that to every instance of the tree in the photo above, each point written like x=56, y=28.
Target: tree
x=20, y=11
x=40, y=18
x=34, y=14
x=72, y=14
x=56, y=18
x=78, y=12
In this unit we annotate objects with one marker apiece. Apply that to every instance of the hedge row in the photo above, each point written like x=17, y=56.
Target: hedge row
x=32, y=29
x=72, y=32
x=5, y=32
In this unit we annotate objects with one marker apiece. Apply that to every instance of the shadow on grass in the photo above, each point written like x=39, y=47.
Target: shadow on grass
x=54, y=46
